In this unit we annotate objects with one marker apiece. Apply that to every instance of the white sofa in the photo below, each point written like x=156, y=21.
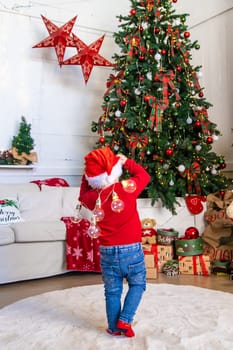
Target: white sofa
x=34, y=247
x=32, y=240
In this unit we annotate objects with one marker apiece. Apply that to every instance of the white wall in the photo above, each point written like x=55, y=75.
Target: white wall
x=56, y=100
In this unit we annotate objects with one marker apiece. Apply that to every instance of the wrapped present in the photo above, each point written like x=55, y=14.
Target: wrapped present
x=171, y=268
x=166, y=236
x=152, y=273
x=195, y=265
x=189, y=247
x=151, y=262
x=161, y=253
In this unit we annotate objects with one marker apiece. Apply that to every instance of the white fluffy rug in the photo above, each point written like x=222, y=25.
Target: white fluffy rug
x=169, y=317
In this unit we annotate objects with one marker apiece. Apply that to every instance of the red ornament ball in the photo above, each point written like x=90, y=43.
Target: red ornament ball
x=101, y=139
x=223, y=165
x=191, y=233
x=133, y=12
x=209, y=140
x=178, y=68
x=157, y=30
x=201, y=94
x=175, y=1
x=122, y=103
x=169, y=152
x=163, y=52
x=197, y=124
x=186, y=35
x=222, y=193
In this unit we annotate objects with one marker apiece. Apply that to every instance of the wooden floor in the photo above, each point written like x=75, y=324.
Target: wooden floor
x=10, y=293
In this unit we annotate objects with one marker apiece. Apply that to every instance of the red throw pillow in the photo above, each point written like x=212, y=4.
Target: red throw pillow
x=54, y=181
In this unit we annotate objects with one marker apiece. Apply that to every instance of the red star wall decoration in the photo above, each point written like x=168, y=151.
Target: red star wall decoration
x=87, y=56
x=59, y=37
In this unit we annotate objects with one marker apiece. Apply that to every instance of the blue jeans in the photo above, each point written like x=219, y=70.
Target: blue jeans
x=119, y=263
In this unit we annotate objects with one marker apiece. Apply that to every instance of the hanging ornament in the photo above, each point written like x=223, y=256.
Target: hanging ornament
x=93, y=230
x=117, y=204
x=198, y=148
x=76, y=218
x=181, y=168
x=102, y=139
x=133, y=12
x=59, y=37
x=222, y=194
x=171, y=183
x=189, y=120
x=186, y=35
x=129, y=185
x=209, y=140
x=123, y=103
x=149, y=75
x=197, y=124
x=223, y=165
x=169, y=152
x=98, y=211
x=213, y=171
x=118, y=113
x=137, y=91
x=88, y=56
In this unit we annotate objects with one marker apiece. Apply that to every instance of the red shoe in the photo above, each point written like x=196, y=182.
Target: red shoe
x=125, y=328
x=115, y=334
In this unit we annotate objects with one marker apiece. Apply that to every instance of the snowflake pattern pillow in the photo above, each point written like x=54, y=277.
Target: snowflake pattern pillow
x=9, y=211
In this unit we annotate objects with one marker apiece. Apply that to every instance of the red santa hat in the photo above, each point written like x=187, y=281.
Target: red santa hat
x=102, y=167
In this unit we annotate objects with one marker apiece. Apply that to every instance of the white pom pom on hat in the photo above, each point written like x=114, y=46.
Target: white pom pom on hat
x=102, y=167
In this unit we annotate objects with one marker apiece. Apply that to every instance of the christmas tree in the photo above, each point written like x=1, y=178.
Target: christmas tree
x=154, y=108
x=23, y=141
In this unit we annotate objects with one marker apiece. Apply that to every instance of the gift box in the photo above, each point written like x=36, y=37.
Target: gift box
x=151, y=264
x=161, y=254
x=152, y=273
x=189, y=247
x=166, y=236
x=195, y=265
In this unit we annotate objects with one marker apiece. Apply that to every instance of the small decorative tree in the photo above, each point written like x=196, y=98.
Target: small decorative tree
x=23, y=141
x=22, y=144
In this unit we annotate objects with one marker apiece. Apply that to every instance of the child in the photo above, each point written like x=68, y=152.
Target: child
x=121, y=253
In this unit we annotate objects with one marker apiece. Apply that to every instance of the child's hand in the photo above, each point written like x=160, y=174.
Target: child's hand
x=122, y=158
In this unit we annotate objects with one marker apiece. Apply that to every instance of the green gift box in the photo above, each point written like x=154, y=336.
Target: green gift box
x=188, y=247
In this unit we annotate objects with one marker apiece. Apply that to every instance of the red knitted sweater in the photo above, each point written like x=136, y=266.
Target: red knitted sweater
x=124, y=227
